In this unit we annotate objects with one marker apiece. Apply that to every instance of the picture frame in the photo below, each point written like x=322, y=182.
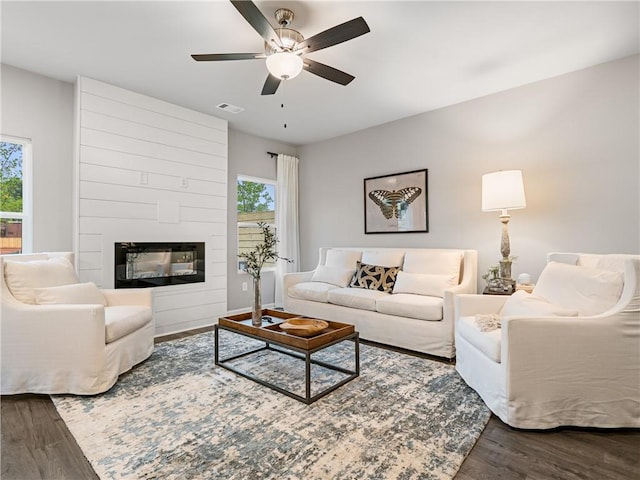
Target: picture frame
x=396, y=203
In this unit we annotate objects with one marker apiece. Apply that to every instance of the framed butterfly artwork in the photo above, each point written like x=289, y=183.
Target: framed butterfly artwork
x=396, y=203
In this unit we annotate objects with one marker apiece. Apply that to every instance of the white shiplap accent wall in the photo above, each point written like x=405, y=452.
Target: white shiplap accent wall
x=150, y=171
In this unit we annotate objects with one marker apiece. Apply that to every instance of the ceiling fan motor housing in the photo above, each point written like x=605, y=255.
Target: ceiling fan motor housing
x=289, y=39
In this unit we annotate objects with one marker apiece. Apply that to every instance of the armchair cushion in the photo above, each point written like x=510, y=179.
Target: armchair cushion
x=590, y=291
x=75, y=293
x=522, y=303
x=23, y=277
x=489, y=342
x=122, y=320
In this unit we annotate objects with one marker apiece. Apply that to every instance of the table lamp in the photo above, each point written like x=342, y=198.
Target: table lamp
x=503, y=191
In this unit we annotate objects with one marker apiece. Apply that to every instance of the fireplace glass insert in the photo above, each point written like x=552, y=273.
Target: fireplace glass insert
x=157, y=264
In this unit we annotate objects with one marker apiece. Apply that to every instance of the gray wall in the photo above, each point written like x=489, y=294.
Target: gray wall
x=41, y=109
x=575, y=137
x=247, y=156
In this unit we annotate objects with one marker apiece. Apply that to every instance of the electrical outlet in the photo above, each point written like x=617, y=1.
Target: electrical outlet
x=144, y=178
x=184, y=182
x=244, y=286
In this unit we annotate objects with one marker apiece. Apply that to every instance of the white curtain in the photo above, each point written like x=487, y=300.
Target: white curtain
x=286, y=220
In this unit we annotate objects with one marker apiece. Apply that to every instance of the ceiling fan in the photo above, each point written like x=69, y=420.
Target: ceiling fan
x=285, y=48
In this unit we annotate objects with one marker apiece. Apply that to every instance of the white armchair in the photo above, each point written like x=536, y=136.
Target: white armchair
x=61, y=336
x=574, y=359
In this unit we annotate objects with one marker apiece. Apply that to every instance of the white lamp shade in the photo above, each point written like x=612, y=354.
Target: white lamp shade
x=503, y=191
x=284, y=65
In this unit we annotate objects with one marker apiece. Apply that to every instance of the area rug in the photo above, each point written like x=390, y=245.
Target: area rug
x=177, y=416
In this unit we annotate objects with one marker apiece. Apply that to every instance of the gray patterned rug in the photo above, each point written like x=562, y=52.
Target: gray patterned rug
x=177, y=416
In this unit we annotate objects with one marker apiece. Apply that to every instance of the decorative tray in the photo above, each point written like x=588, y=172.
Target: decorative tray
x=303, y=327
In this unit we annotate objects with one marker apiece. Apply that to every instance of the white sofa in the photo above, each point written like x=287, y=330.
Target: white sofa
x=61, y=336
x=568, y=354
x=416, y=315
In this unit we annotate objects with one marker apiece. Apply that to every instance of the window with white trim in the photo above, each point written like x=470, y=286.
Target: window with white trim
x=256, y=200
x=15, y=195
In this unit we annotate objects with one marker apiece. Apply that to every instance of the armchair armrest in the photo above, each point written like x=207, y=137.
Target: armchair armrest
x=129, y=296
x=49, y=338
x=471, y=304
x=560, y=361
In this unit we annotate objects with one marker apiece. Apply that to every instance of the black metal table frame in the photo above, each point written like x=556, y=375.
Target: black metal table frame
x=289, y=350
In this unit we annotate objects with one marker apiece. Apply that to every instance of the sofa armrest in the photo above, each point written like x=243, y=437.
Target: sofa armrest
x=562, y=360
x=290, y=279
x=129, y=296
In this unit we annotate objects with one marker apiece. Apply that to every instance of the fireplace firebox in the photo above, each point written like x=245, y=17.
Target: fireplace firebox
x=158, y=264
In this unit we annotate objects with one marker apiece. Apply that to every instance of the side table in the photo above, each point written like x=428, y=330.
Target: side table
x=486, y=291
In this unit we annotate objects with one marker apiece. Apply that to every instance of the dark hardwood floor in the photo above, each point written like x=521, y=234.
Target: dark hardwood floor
x=36, y=444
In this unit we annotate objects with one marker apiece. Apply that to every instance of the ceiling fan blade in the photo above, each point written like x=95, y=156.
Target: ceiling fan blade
x=257, y=20
x=325, y=71
x=270, y=85
x=214, y=57
x=338, y=34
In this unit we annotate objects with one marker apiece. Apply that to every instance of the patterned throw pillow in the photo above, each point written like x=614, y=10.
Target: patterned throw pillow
x=374, y=277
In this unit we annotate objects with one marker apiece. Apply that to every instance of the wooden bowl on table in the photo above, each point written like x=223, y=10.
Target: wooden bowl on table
x=303, y=327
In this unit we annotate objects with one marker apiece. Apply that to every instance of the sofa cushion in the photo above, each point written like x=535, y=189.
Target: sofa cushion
x=423, y=283
x=334, y=275
x=385, y=258
x=588, y=290
x=489, y=343
x=522, y=303
x=75, y=293
x=314, y=291
x=23, y=277
x=122, y=320
x=342, y=258
x=421, y=307
x=356, y=298
x=374, y=277
x=434, y=262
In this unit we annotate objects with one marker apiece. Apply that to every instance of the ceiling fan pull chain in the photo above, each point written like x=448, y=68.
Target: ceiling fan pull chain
x=282, y=90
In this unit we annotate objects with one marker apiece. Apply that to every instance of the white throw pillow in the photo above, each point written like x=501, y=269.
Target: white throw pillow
x=435, y=262
x=23, y=277
x=589, y=290
x=77, y=293
x=423, y=283
x=342, y=258
x=523, y=304
x=333, y=275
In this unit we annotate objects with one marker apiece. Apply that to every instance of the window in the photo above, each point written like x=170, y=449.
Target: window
x=15, y=205
x=256, y=203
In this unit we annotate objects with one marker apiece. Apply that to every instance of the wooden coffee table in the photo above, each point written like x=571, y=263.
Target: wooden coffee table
x=292, y=345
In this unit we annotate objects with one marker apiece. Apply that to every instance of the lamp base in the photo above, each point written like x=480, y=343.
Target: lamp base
x=508, y=284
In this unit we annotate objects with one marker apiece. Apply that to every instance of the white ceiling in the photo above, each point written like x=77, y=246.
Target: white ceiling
x=419, y=56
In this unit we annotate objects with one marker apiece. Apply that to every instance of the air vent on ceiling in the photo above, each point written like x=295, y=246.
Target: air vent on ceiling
x=229, y=108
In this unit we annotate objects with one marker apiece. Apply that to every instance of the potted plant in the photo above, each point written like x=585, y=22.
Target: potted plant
x=492, y=277
x=254, y=261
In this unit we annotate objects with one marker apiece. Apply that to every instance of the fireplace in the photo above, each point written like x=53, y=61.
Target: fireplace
x=158, y=264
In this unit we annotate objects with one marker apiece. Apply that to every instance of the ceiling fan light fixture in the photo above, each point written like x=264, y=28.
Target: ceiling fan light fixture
x=284, y=65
